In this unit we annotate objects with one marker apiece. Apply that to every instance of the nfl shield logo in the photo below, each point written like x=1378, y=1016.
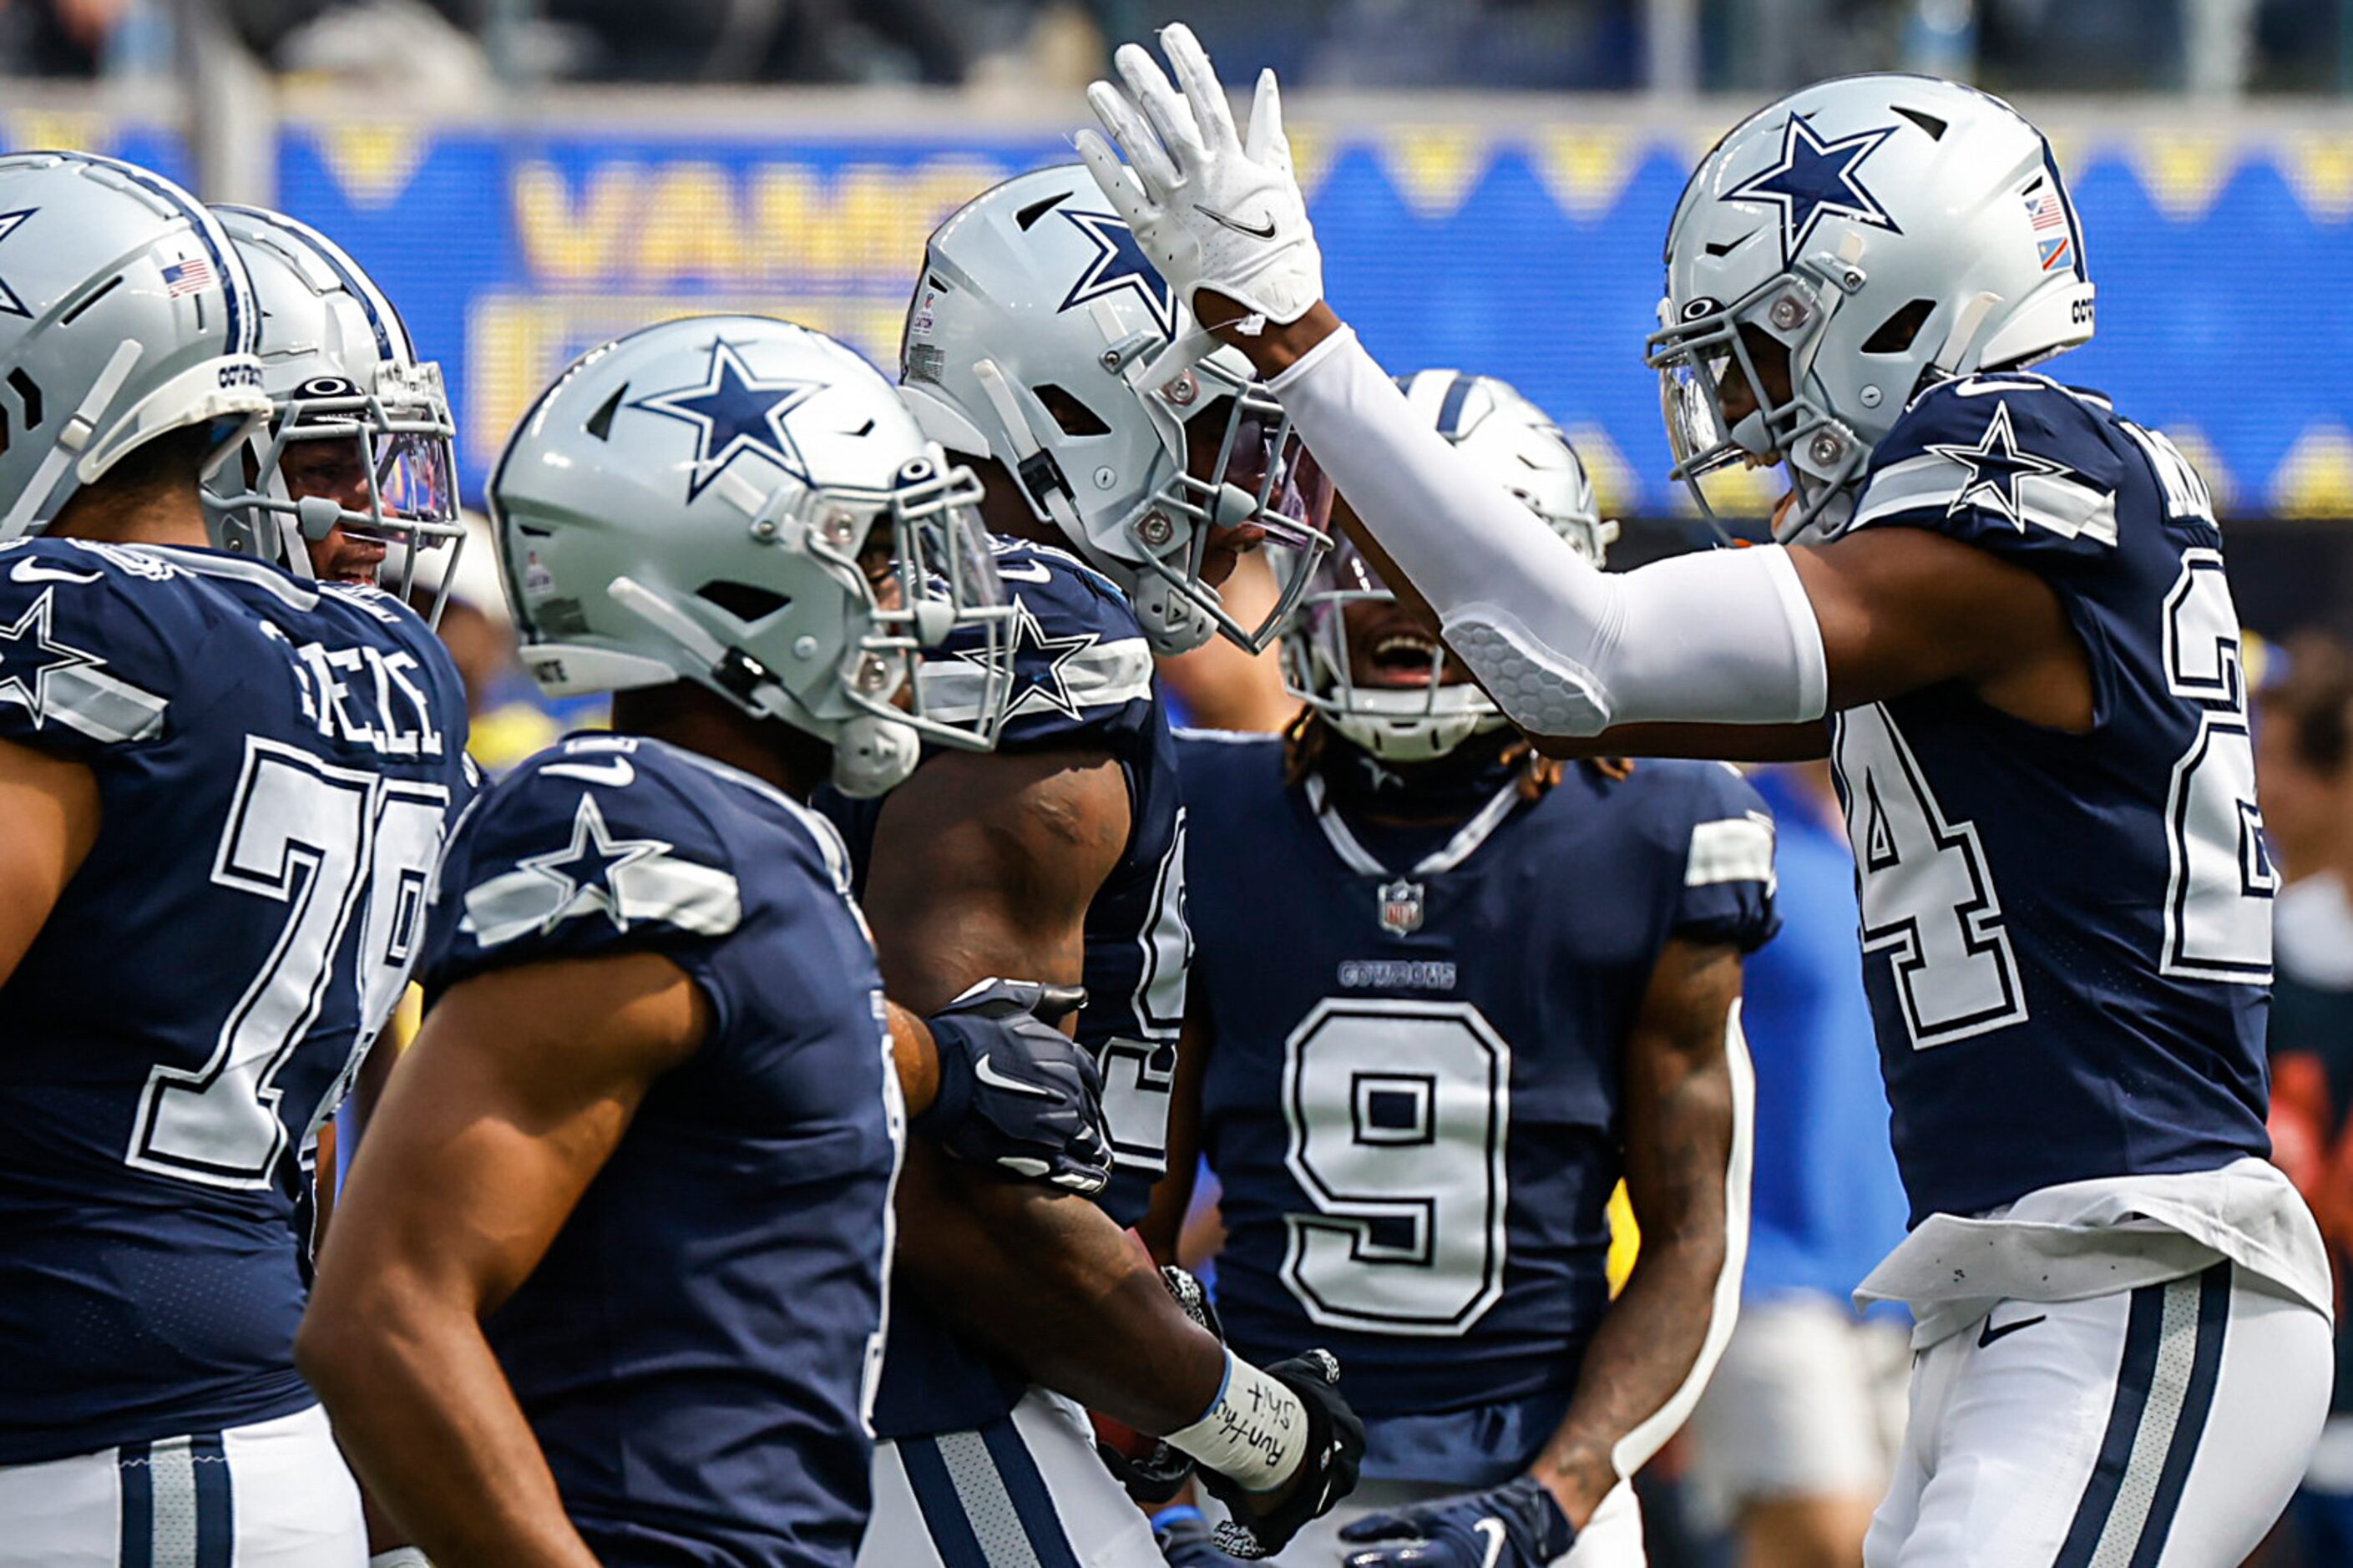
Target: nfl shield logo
x=1401, y=907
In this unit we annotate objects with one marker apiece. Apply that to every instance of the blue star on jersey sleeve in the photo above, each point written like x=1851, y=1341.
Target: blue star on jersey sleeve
x=2013, y=464
x=86, y=647
x=1076, y=661
x=588, y=849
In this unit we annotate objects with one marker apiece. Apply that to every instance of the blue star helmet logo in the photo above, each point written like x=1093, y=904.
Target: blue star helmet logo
x=1996, y=465
x=734, y=412
x=1119, y=263
x=1814, y=179
x=10, y=304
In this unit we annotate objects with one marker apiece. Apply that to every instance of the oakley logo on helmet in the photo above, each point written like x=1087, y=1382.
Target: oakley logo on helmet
x=734, y=412
x=1119, y=263
x=327, y=387
x=1815, y=178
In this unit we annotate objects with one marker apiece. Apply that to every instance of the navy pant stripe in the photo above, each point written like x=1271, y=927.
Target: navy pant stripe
x=215, y=1501
x=2197, y=1402
x=136, y=1547
x=1032, y=1502
x=2144, y=1332
x=935, y=1494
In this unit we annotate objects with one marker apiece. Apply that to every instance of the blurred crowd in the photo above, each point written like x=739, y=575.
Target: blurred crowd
x=2225, y=45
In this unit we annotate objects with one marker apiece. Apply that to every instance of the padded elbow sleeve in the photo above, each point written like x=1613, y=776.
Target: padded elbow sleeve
x=1722, y=637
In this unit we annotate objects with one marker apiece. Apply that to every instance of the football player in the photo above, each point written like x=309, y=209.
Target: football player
x=1060, y=856
x=237, y=779
x=357, y=461
x=2000, y=605
x=1503, y=982
x=653, y=1119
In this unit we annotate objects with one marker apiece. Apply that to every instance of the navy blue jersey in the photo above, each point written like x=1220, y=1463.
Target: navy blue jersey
x=277, y=765
x=1082, y=678
x=695, y=1351
x=2066, y=937
x=1411, y=1097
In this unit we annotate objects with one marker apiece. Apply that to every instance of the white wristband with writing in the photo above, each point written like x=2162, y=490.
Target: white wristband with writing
x=1255, y=1431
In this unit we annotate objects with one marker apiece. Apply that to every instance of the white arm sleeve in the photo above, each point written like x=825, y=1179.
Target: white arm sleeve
x=1722, y=637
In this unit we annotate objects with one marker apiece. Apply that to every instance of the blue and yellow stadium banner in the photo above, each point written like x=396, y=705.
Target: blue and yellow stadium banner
x=2224, y=260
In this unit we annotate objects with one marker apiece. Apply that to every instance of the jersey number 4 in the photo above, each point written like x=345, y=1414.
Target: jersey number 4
x=329, y=844
x=1928, y=898
x=1397, y=1112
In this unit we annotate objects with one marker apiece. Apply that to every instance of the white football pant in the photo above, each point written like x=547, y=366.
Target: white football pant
x=1023, y=1491
x=275, y=1494
x=2160, y=1427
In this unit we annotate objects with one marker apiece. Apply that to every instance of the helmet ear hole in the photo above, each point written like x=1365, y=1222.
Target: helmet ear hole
x=1074, y=417
x=1897, y=333
x=744, y=601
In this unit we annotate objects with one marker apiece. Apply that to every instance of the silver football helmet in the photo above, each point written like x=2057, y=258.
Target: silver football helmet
x=360, y=435
x=124, y=314
x=1039, y=335
x=1409, y=712
x=1886, y=231
x=747, y=504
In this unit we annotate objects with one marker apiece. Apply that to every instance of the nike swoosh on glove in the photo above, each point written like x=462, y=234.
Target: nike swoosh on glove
x=1016, y=1092
x=1213, y=208
x=1516, y=1525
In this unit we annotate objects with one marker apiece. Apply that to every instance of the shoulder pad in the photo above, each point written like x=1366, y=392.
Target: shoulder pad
x=1078, y=658
x=584, y=847
x=2008, y=461
x=92, y=639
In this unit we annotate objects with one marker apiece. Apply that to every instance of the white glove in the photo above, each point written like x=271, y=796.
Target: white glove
x=1212, y=210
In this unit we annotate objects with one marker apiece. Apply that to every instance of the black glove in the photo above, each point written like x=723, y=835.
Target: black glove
x=1014, y=1091
x=1328, y=1470
x=1516, y=1525
x=1187, y=1542
x=1159, y=1475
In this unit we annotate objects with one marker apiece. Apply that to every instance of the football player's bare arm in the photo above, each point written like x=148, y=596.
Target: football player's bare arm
x=1163, y=1226
x=515, y=1094
x=1051, y=1284
x=985, y=865
x=1654, y=1349
x=49, y=820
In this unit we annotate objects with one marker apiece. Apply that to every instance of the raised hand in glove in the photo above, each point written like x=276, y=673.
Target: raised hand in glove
x=1516, y=1525
x=1330, y=1447
x=1016, y=1092
x=1213, y=208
